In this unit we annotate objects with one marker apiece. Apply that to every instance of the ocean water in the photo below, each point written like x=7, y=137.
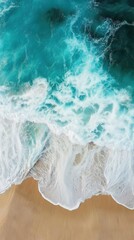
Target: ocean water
x=67, y=98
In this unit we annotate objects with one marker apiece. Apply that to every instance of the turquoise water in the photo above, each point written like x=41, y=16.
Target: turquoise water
x=82, y=50
x=66, y=68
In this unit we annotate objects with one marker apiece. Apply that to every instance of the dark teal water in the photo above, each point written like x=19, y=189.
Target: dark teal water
x=81, y=53
x=67, y=98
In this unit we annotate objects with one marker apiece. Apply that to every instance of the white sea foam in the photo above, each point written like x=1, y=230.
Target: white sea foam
x=80, y=121
x=20, y=146
x=76, y=140
x=69, y=173
x=70, y=169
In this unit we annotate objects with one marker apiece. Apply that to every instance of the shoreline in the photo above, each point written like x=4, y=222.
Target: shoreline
x=28, y=216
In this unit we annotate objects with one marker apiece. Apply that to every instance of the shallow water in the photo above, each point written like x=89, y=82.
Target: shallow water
x=66, y=80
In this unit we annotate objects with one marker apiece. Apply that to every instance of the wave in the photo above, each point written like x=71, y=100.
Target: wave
x=68, y=172
x=66, y=99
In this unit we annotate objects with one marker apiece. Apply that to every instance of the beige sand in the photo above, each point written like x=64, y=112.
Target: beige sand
x=25, y=215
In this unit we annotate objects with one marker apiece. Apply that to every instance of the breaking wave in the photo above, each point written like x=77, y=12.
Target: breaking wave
x=66, y=98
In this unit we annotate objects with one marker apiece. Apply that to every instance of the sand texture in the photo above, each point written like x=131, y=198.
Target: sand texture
x=24, y=214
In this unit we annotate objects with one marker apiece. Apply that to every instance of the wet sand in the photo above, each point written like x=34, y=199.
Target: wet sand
x=25, y=215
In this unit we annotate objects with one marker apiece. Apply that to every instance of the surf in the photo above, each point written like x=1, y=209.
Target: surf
x=66, y=98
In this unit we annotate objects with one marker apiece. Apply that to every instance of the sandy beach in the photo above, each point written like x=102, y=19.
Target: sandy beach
x=24, y=214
